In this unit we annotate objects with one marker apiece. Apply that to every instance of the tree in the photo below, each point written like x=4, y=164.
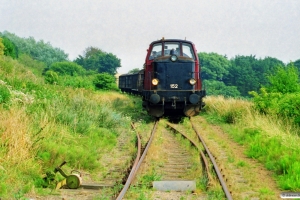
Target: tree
x=10, y=48
x=242, y=75
x=216, y=88
x=264, y=68
x=285, y=80
x=297, y=64
x=38, y=50
x=213, y=66
x=133, y=71
x=249, y=73
x=97, y=60
x=1, y=47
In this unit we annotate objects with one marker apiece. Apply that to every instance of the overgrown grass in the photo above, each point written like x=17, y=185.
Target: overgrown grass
x=272, y=141
x=42, y=125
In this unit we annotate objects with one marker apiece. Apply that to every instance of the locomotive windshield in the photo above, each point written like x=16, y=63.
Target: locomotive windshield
x=171, y=45
x=187, y=50
x=164, y=49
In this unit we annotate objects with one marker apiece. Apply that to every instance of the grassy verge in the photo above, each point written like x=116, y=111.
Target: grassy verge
x=272, y=141
x=42, y=125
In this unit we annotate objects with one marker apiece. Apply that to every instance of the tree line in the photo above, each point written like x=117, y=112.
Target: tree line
x=234, y=77
x=87, y=70
x=272, y=85
x=239, y=75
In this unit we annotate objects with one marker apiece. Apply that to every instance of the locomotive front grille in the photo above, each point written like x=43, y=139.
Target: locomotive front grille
x=174, y=76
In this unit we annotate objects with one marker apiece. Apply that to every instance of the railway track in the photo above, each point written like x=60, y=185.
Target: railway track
x=178, y=164
x=137, y=163
x=216, y=168
x=177, y=154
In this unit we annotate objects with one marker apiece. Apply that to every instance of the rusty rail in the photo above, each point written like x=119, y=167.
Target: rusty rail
x=139, y=159
x=223, y=183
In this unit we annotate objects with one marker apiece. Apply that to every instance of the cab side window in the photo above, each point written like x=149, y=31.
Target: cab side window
x=156, y=51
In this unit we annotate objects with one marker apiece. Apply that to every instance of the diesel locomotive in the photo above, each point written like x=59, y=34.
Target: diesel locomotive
x=170, y=81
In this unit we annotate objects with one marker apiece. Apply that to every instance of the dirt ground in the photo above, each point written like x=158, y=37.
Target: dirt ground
x=246, y=178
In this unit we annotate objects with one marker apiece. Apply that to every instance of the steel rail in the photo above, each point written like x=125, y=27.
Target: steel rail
x=139, y=159
x=132, y=172
x=223, y=183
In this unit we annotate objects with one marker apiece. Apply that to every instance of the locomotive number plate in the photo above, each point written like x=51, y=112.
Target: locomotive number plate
x=173, y=85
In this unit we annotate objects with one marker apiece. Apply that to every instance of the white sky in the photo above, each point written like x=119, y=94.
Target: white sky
x=127, y=27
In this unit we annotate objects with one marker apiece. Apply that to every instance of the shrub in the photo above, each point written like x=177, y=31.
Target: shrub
x=5, y=65
x=266, y=102
x=67, y=68
x=76, y=81
x=219, y=88
x=37, y=66
x=51, y=77
x=2, y=47
x=10, y=48
x=105, y=81
x=4, y=94
x=285, y=80
x=281, y=98
x=289, y=107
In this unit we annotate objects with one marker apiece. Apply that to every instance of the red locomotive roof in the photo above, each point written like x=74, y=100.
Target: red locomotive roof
x=171, y=40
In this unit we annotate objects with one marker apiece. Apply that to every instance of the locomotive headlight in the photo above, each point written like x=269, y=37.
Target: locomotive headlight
x=173, y=58
x=155, y=81
x=192, y=81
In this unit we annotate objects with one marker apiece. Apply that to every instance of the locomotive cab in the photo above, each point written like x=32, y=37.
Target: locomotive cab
x=172, y=78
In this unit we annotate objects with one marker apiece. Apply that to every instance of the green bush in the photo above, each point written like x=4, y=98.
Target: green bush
x=51, y=77
x=105, y=81
x=281, y=97
x=2, y=47
x=266, y=102
x=289, y=106
x=76, y=81
x=219, y=88
x=6, y=66
x=4, y=94
x=285, y=80
x=67, y=68
x=10, y=48
x=284, y=105
x=36, y=66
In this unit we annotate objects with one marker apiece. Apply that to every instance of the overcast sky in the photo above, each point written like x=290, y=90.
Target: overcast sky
x=127, y=27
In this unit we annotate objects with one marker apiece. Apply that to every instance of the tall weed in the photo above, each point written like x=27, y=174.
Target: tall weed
x=229, y=109
x=44, y=124
x=269, y=139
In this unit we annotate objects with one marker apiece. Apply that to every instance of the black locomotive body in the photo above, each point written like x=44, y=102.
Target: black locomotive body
x=170, y=81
